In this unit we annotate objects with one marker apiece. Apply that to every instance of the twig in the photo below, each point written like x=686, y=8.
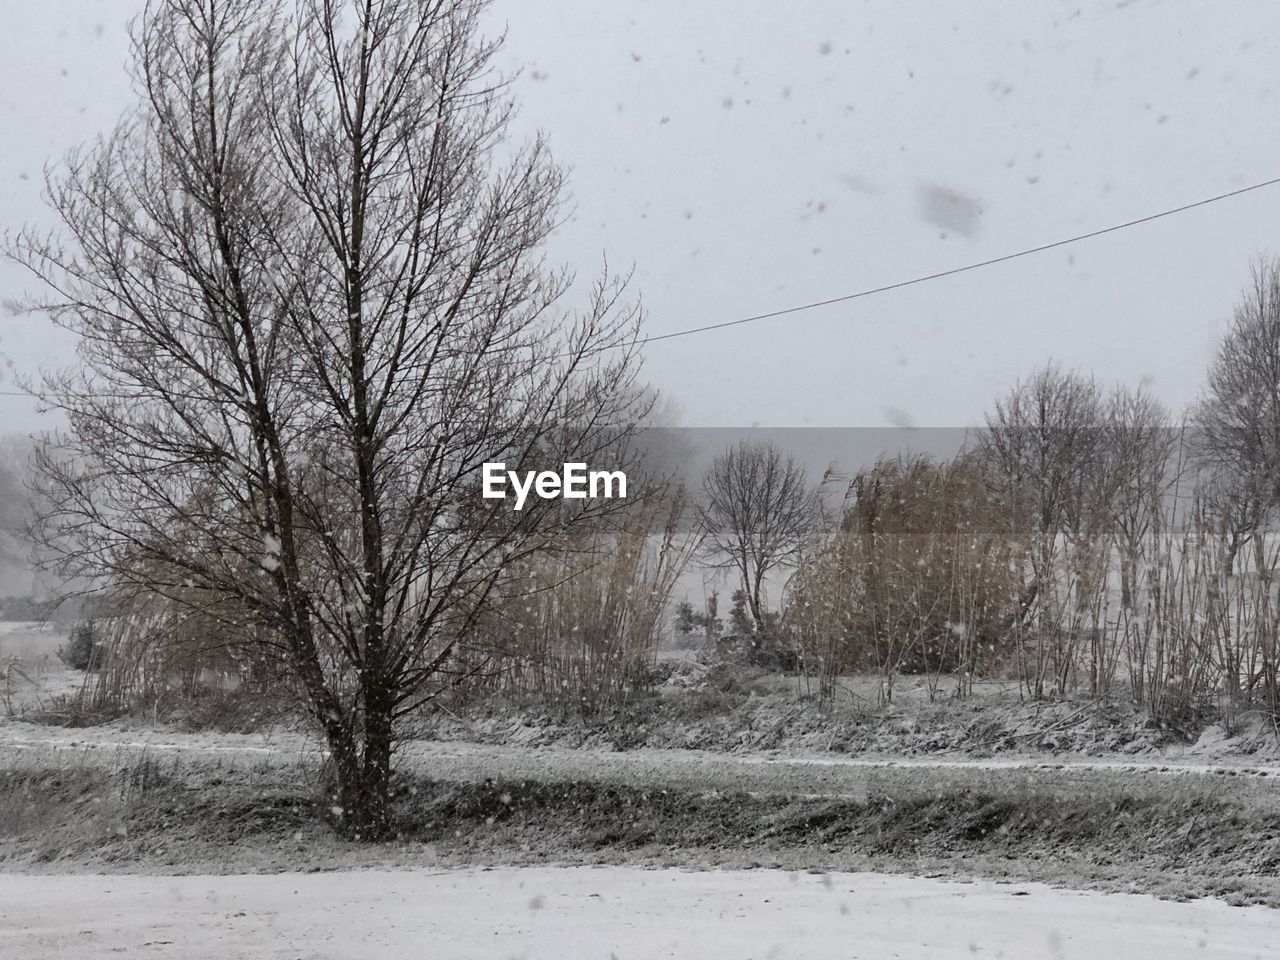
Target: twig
x=1033, y=733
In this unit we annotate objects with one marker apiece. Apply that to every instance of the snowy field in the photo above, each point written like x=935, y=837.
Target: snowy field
x=30, y=642
x=620, y=913
x=32, y=677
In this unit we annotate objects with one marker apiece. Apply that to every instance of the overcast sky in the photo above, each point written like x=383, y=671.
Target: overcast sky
x=746, y=157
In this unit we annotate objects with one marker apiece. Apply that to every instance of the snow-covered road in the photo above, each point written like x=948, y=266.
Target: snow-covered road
x=604, y=912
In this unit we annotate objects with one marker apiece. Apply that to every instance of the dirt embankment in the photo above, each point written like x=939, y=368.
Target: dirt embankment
x=730, y=709
x=173, y=815
x=991, y=788
x=113, y=747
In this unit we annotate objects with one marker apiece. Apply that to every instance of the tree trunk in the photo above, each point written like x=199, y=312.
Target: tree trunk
x=363, y=789
x=757, y=603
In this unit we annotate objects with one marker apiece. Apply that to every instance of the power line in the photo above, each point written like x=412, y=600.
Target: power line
x=964, y=269
x=925, y=278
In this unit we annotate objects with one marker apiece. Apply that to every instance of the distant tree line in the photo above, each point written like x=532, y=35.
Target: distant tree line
x=1085, y=539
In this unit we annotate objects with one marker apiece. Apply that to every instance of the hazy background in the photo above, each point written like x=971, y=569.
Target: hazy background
x=749, y=156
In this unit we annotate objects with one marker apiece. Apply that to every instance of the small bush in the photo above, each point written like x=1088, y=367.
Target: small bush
x=84, y=650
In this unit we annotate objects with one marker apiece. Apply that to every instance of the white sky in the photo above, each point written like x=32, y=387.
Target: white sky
x=748, y=156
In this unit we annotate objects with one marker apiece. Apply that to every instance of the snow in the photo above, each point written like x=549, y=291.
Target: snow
x=604, y=912
x=289, y=747
x=29, y=640
x=30, y=670
x=797, y=775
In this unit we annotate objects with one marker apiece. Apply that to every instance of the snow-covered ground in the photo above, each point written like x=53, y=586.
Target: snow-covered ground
x=31, y=674
x=622, y=913
x=18, y=736
x=791, y=773
x=29, y=639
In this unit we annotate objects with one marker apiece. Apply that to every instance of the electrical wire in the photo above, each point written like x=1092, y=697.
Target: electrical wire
x=925, y=278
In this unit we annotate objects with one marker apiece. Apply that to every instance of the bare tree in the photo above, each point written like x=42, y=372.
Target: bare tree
x=307, y=281
x=1046, y=442
x=1140, y=442
x=1142, y=463
x=1236, y=424
x=1238, y=420
x=1232, y=504
x=1045, y=437
x=758, y=512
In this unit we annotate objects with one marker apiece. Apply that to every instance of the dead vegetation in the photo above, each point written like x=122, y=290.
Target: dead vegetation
x=166, y=817
x=735, y=708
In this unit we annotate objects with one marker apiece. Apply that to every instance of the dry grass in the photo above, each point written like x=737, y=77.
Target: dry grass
x=159, y=818
x=581, y=626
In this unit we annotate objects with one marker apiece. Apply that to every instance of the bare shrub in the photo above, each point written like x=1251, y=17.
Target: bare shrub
x=920, y=577
x=698, y=628
x=84, y=648
x=189, y=659
x=580, y=625
x=1209, y=641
